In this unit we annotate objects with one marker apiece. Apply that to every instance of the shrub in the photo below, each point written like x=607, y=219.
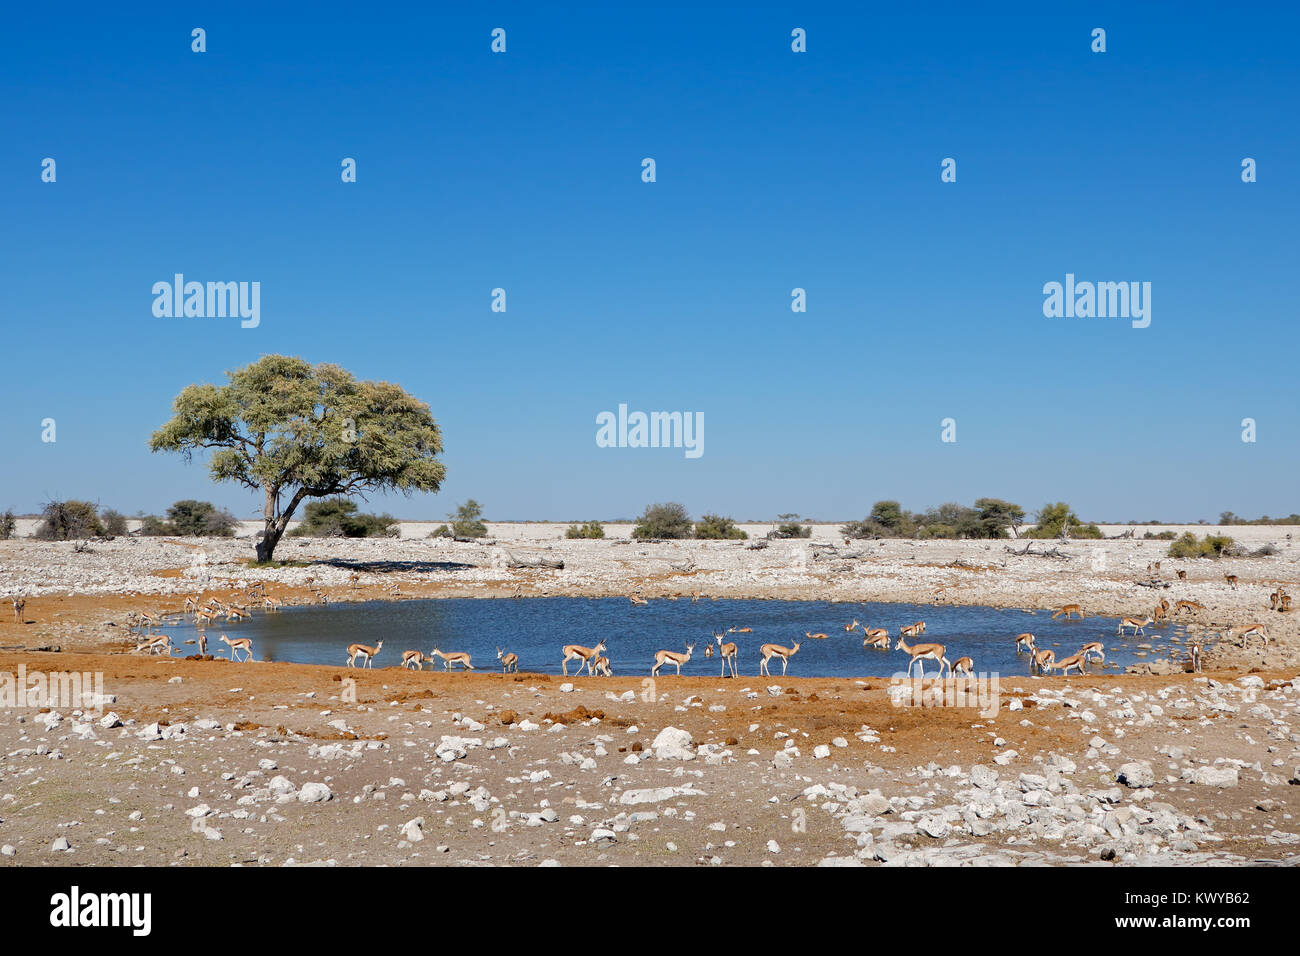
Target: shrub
x=865, y=528
x=591, y=529
x=442, y=531
x=716, y=526
x=339, y=518
x=1162, y=536
x=668, y=520
x=151, y=526
x=788, y=526
x=7, y=525
x=1058, y=521
x=1212, y=545
x=994, y=516
x=69, y=521
x=114, y=522
x=466, y=521
x=200, y=519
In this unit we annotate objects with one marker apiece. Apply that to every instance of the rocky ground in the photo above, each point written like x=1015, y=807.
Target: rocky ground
x=210, y=762
x=216, y=763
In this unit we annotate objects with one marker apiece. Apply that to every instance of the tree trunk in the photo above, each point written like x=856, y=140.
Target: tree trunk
x=275, y=521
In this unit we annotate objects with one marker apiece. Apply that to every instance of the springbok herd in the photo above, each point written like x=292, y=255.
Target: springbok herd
x=594, y=660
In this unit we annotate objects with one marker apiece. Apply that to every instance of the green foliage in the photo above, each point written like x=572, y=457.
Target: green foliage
x=200, y=519
x=1211, y=546
x=114, y=522
x=1228, y=518
x=339, y=518
x=718, y=527
x=8, y=525
x=591, y=529
x=788, y=526
x=865, y=528
x=1058, y=520
x=667, y=520
x=151, y=526
x=289, y=428
x=995, y=516
x=1160, y=536
x=466, y=521
x=442, y=531
x=69, y=521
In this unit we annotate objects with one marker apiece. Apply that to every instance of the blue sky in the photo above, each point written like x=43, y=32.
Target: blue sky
x=775, y=170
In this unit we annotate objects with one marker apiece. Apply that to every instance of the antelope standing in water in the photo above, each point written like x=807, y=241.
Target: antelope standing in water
x=638, y=601
x=740, y=630
x=671, y=657
x=728, y=651
x=583, y=655
x=912, y=630
x=1064, y=665
x=362, y=651
x=1025, y=642
x=1139, y=627
x=155, y=644
x=509, y=662
x=852, y=627
x=876, y=637
x=239, y=644
x=770, y=651
x=1042, y=659
x=413, y=659
x=1067, y=610
x=963, y=665
x=920, y=653
x=455, y=657
x=1195, y=649
x=815, y=637
x=1093, y=647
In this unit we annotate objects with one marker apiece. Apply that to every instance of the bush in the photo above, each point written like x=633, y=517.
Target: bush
x=442, y=531
x=1162, y=536
x=114, y=522
x=592, y=529
x=7, y=526
x=339, y=518
x=865, y=528
x=466, y=521
x=69, y=521
x=717, y=527
x=1211, y=546
x=200, y=519
x=1057, y=521
x=788, y=526
x=151, y=526
x=668, y=520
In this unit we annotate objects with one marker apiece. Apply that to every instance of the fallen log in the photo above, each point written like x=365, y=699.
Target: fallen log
x=516, y=564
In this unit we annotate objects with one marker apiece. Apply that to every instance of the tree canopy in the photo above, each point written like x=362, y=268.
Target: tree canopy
x=294, y=430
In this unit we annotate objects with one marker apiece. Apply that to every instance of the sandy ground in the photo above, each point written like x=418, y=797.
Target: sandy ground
x=210, y=762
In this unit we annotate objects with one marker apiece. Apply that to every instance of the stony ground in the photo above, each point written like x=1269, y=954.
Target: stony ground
x=208, y=762
x=218, y=763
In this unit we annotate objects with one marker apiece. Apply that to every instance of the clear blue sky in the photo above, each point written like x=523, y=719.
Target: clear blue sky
x=775, y=170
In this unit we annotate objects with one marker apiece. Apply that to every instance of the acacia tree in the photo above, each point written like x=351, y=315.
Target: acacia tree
x=295, y=430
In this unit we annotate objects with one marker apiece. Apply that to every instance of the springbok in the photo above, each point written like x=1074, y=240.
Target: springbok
x=728, y=650
x=638, y=601
x=576, y=652
x=1139, y=627
x=877, y=637
x=1025, y=642
x=1093, y=647
x=852, y=627
x=1188, y=606
x=671, y=657
x=963, y=665
x=362, y=651
x=770, y=651
x=1182, y=575
x=19, y=604
x=413, y=659
x=815, y=637
x=1194, y=648
x=239, y=644
x=740, y=630
x=1249, y=630
x=1231, y=579
x=912, y=630
x=455, y=657
x=509, y=662
x=155, y=644
x=1042, y=659
x=600, y=665
x=1067, y=610
x=920, y=653
x=1064, y=665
